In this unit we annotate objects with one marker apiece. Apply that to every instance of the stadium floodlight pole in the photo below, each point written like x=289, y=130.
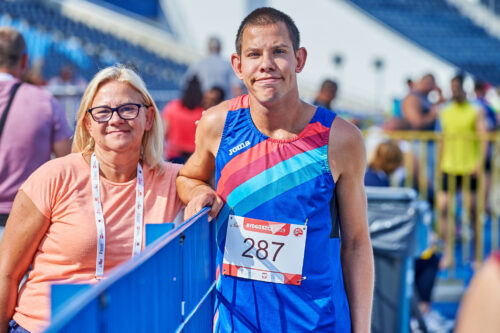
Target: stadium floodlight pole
x=378, y=65
x=338, y=60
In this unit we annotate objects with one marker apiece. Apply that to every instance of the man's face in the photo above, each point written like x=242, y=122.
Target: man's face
x=66, y=73
x=428, y=84
x=268, y=64
x=457, y=91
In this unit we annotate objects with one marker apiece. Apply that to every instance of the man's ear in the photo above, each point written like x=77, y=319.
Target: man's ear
x=300, y=56
x=236, y=64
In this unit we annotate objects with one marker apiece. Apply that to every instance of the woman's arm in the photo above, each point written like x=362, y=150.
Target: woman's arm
x=25, y=228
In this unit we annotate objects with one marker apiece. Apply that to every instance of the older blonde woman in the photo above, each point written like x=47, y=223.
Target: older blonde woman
x=79, y=216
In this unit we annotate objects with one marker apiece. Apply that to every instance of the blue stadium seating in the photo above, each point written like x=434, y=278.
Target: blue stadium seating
x=439, y=28
x=59, y=40
x=493, y=5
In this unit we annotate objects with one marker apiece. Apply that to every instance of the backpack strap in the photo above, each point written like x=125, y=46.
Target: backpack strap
x=7, y=108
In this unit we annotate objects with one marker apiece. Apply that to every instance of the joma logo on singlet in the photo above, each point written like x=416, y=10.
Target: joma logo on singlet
x=239, y=147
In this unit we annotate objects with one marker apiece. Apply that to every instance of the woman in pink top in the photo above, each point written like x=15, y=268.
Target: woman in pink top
x=179, y=122
x=79, y=216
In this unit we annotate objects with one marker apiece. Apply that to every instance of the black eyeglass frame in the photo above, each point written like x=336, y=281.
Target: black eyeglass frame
x=113, y=110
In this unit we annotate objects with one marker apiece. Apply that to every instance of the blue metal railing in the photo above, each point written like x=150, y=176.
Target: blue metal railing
x=167, y=288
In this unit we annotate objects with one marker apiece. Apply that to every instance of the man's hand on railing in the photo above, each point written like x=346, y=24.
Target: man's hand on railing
x=206, y=198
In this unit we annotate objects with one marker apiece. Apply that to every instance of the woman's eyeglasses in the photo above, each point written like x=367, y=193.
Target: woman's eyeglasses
x=102, y=114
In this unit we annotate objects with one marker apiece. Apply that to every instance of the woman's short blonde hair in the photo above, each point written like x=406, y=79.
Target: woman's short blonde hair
x=152, y=141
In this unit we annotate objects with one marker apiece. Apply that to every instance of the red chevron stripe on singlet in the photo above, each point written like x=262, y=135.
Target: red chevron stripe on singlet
x=258, y=159
x=239, y=102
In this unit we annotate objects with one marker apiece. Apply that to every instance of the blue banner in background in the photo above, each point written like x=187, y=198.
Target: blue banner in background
x=147, y=8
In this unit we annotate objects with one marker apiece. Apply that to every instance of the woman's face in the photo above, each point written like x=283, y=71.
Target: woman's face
x=117, y=134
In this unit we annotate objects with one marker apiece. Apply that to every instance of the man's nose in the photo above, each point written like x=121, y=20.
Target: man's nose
x=267, y=64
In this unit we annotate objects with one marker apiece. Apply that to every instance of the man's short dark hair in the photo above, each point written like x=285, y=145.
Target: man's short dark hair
x=459, y=78
x=429, y=76
x=480, y=85
x=265, y=16
x=12, y=47
x=221, y=92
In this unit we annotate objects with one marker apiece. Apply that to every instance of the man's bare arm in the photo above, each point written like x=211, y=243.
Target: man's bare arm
x=194, y=177
x=346, y=155
x=412, y=112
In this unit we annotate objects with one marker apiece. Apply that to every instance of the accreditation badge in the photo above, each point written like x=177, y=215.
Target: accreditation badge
x=264, y=251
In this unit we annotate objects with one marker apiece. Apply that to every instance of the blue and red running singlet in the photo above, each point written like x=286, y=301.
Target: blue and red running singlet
x=286, y=181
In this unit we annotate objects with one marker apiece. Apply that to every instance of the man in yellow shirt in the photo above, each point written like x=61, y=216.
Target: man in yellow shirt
x=461, y=122
x=462, y=153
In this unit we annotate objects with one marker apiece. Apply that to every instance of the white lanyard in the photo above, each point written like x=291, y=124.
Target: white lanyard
x=99, y=218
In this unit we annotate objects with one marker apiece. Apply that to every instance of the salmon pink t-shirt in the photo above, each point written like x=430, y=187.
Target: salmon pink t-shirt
x=61, y=190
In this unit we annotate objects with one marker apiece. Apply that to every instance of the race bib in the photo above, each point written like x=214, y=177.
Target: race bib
x=264, y=251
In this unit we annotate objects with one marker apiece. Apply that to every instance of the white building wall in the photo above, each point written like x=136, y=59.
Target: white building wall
x=327, y=27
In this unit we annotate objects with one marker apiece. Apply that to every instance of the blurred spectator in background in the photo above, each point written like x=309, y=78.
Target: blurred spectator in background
x=479, y=307
x=179, y=117
x=386, y=159
x=68, y=88
x=395, y=121
x=325, y=97
x=34, y=124
x=67, y=77
x=410, y=83
x=34, y=74
x=417, y=111
x=462, y=154
x=213, y=97
x=214, y=70
x=491, y=120
x=480, y=89
x=326, y=94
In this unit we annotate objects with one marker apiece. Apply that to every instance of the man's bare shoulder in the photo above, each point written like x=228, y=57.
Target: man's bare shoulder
x=410, y=99
x=215, y=114
x=344, y=134
x=345, y=147
x=213, y=119
x=211, y=126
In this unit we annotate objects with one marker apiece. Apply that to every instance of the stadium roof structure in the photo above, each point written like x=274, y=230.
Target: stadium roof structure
x=57, y=38
x=439, y=27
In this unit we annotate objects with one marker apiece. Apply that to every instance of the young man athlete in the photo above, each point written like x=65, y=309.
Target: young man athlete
x=291, y=257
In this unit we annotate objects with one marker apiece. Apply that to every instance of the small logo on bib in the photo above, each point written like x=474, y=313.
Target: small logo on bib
x=235, y=149
x=298, y=232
